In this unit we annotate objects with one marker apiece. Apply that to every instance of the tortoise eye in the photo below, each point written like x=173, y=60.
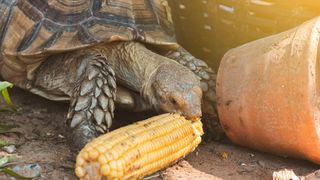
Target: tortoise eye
x=173, y=101
x=176, y=100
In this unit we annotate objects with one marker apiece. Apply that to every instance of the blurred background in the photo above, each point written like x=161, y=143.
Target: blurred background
x=208, y=28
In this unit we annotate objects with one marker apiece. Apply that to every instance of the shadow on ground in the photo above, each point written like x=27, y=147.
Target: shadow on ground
x=43, y=141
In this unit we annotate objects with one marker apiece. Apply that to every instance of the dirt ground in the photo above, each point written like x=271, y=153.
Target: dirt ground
x=42, y=133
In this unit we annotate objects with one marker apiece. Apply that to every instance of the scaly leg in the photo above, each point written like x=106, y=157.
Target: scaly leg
x=90, y=82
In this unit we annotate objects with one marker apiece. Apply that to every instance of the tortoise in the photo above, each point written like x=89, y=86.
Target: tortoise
x=98, y=54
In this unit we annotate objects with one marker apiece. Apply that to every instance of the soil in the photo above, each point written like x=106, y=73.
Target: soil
x=42, y=139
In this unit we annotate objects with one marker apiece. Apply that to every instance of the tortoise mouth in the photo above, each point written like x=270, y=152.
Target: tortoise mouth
x=192, y=117
x=188, y=116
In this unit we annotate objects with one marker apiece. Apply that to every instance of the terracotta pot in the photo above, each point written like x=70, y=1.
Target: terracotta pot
x=269, y=93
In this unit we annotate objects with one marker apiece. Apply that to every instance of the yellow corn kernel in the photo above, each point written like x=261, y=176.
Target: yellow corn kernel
x=139, y=149
x=80, y=172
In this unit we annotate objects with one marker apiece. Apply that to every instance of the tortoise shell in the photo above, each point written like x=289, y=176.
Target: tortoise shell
x=31, y=30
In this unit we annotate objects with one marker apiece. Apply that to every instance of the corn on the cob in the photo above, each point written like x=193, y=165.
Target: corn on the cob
x=139, y=149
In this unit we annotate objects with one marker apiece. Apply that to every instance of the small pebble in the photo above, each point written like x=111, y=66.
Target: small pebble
x=28, y=170
x=285, y=174
x=10, y=149
x=60, y=136
x=243, y=164
x=251, y=155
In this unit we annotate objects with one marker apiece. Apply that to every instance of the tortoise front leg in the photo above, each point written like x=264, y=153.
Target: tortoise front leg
x=92, y=102
x=90, y=83
x=208, y=81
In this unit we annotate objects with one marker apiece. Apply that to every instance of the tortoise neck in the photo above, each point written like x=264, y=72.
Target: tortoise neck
x=134, y=64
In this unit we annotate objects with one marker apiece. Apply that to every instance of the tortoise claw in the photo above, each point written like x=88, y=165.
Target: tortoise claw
x=82, y=134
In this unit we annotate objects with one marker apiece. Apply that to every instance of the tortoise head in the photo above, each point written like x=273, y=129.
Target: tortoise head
x=174, y=88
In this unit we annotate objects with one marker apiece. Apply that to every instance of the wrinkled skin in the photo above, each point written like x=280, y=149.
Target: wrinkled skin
x=164, y=85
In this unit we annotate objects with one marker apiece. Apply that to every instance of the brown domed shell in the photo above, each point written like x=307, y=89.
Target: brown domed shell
x=38, y=26
x=31, y=30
